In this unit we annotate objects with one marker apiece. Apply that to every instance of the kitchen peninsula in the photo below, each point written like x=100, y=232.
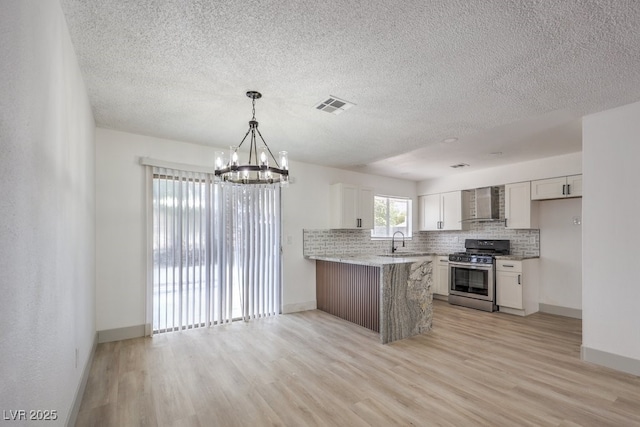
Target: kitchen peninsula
x=391, y=295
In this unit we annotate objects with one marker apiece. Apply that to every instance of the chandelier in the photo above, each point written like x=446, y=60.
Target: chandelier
x=262, y=168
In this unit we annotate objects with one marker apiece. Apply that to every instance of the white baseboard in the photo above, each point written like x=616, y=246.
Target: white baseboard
x=77, y=400
x=513, y=311
x=575, y=313
x=120, y=334
x=299, y=306
x=610, y=360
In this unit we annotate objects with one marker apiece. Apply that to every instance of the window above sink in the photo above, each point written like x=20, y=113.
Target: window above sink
x=392, y=214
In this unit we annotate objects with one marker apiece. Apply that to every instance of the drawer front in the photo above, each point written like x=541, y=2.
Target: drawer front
x=507, y=265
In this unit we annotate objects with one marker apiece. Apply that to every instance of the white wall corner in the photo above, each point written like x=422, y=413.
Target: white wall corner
x=300, y=306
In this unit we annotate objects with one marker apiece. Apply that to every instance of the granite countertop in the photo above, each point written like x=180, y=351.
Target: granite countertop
x=515, y=257
x=373, y=260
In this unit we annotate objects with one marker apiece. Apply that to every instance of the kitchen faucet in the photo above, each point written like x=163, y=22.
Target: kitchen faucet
x=393, y=241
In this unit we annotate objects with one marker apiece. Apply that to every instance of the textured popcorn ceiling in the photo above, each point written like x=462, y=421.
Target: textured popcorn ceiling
x=502, y=76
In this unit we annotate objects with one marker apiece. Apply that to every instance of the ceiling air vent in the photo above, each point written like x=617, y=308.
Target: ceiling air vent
x=459, y=165
x=334, y=105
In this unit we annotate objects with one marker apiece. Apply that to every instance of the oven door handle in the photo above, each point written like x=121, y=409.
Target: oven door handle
x=471, y=266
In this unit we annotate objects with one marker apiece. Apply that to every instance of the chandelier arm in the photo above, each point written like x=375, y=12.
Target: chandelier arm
x=252, y=147
x=242, y=142
x=268, y=149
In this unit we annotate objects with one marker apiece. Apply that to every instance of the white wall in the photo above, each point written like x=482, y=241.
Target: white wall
x=120, y=229
x=47, y=212
x=611, y=284
x=560, y=253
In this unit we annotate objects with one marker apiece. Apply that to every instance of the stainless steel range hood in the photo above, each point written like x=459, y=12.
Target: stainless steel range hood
x=487, y=205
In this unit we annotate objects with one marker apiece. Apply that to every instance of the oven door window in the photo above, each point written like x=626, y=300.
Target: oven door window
x=470, y=281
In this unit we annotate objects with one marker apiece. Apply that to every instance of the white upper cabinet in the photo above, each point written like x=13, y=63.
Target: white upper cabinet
x=351, y=207
x=519, y=211
x=430, y=212
x=444, y=211
x=365, y=207
x=557, y=188
x=574, y=186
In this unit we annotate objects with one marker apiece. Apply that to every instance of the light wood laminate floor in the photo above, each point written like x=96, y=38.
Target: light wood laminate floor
x=313, y=369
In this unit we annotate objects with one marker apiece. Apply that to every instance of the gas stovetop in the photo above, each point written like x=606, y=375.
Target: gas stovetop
x=481, y=251
x=471, y=258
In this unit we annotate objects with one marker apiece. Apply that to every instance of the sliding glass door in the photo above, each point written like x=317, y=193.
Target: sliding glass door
x=216, y=250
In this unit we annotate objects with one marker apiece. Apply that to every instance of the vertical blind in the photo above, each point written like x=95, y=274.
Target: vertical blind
x=216, y=250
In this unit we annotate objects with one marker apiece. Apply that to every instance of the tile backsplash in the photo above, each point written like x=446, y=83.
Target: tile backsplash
x=323, y=242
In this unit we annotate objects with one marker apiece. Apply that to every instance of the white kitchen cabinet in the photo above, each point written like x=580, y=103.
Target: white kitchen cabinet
x=557, y=188
x=517, y=286
x=441, y=277
x=351, y=207
x=445, y=211
x=575, y=185
x=519, y=211
x=429, y=212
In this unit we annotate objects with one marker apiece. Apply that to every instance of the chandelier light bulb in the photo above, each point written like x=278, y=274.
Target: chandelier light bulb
x=284, y=160
x=264, y=160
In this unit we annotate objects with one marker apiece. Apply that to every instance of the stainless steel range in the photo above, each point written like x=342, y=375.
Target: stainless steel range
x=472, y=275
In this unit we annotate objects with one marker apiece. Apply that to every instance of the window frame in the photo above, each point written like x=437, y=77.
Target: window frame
x=409, y=221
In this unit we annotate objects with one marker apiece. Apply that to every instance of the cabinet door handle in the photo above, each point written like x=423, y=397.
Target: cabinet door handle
x=563, y=187
x=505, y=222
x=359, y=222
x=507, y=265
x=444, y=260
x=519, y=283
x=568, y=189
